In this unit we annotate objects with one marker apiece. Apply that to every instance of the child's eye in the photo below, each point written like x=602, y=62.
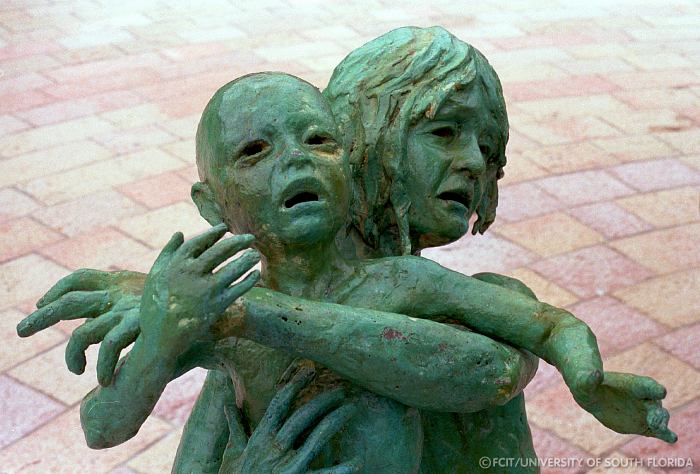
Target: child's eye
x=318, y=139
x=444, y=132
x=252, y=150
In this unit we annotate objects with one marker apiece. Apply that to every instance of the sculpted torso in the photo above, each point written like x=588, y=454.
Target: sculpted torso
x=386, y=435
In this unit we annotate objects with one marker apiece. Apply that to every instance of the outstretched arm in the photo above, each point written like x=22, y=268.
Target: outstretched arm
x=113, y=414
x=181, y=300
x=623, y=402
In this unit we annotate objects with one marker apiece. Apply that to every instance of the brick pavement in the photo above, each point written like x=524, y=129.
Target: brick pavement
x=98, y=107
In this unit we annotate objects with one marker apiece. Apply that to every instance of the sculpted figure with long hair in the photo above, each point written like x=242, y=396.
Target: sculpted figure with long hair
x=409, y=136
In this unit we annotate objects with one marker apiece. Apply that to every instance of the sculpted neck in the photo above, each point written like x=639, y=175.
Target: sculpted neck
x=308, y=271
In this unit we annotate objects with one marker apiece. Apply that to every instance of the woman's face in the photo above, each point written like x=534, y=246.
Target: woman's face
x=282, y=172
x=447, y=160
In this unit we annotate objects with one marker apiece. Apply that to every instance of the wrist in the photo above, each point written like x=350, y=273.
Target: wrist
x=153, y=356
x=584, y=384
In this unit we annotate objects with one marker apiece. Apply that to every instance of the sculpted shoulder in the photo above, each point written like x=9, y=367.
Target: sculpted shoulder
x=395, y=284
x=403, y=268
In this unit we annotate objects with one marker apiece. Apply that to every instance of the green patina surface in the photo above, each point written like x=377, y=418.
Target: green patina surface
x=386, y=361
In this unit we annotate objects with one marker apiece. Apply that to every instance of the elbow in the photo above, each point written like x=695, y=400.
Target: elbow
x=99, y=432
x=521, y=369
x=101, y=437
x=95, y=435
x=518, y=375
x=94, y=440
x=502, y=379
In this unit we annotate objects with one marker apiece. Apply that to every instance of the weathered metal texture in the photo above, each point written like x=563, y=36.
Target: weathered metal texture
x=338, y=193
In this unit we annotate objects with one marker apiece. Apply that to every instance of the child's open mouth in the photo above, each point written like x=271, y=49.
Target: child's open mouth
x=305, y=193
x=300, y=198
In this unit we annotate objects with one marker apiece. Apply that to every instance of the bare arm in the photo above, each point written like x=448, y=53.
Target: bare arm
x=417, y=362
x=181, y=300
x=113, y=414
x=551, y=333
x=626, y=403
x=420, y=363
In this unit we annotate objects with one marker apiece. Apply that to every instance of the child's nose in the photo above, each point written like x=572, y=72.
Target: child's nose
x=294, y=157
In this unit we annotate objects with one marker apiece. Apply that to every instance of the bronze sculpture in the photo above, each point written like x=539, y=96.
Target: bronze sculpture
x=425, y=135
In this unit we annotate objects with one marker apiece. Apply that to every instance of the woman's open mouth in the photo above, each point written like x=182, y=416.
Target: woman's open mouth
x=458, y=197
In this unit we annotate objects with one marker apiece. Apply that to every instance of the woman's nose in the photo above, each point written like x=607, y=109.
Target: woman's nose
x=470, y=160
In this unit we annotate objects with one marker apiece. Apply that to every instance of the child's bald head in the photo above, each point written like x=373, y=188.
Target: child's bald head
x=234, y=106
x=261, y=137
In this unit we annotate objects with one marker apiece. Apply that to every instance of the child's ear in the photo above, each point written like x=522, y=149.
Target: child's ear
x=203, y=197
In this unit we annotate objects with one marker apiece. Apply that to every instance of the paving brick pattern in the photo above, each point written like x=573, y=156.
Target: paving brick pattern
x=99, y=102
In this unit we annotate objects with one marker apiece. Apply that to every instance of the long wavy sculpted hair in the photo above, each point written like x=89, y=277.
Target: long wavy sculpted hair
x=377, y=93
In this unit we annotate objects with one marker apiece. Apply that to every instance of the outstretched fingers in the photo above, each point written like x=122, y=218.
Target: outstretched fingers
x=649, y=388
x=72, y=305
x=640, y=386
x=196, y=245
x=85, y=279
x=164, y=256
x=221, y=251
x=323, y=432
x=232, y=293
x=307, y=415
x=235, y=269
x=91, y=332
x=657, y=420
x=110, y=349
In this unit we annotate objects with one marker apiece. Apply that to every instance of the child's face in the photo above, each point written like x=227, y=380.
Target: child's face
x=447, y=162
x=282, y=172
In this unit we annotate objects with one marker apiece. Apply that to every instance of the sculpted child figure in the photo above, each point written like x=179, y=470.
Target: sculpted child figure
x=449, y=137
x=257, y=187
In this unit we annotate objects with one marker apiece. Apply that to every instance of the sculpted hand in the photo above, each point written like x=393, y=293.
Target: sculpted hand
x=182, y=297
x=629, y=403
x=271, y=446
x=110, y=301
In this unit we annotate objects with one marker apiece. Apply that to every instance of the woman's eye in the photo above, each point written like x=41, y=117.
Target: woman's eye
x=488, y=154
x=318, y=139
x=444, y=132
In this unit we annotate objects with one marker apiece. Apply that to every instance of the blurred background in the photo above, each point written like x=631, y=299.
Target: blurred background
x=99, y=102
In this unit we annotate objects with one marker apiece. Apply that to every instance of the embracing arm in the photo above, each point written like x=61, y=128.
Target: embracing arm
x=417, y=362
x=420, y=363
x=626, y=403
x=550, y=333
x=502, y=370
